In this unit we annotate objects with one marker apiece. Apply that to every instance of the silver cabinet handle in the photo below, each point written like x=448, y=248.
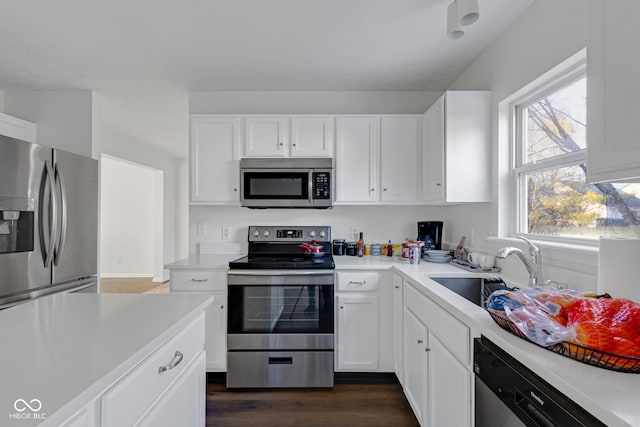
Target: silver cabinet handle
x=397, y=287
x=427, y=349
x=200, y=280
x=419, y=341
x=177, y=358
x=360, y=283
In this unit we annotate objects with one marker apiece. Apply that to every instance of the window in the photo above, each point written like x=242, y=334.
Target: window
x=553, y=198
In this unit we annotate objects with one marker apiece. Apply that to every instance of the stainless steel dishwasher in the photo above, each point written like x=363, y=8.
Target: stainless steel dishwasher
x=508, y=394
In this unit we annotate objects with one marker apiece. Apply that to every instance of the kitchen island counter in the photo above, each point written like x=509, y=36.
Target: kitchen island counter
x=65, y=349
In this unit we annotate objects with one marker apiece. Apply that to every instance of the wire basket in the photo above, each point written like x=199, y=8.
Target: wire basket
x=598, y=358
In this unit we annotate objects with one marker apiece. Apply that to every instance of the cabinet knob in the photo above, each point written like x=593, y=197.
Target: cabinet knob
x=373, y=189
x=281, y=144
x=384, y=189
x=294, y=144
x=397, y=287
x=342, y=307
x=235, y=189
x=438, y=184
x=427, y=349
x=222, y=307
x=419, y=341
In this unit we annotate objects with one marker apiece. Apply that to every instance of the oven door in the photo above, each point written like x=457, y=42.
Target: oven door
x=287, y=311
x=280, y=188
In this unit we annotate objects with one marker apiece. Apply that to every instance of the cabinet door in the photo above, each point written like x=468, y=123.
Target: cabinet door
x=397, y=328
x=17, y=128
x=613, y=148
x=266, y=136
x=399, y=158
x=449, y=388
x=312, y=136
x=184, y=402
x=216, y=334
x=357, y=333
x=433, y=153
x=357, y=148
x=214, y=159
x=415, y=364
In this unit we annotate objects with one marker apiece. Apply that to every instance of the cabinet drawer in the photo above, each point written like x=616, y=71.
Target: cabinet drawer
x=125, y=402
x=199, y=281
x=357, y=281
x=454, y=334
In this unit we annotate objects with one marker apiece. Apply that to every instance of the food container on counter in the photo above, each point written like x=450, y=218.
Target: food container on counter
x=338, y=247
x=351, y=248
x=376, y=249
x=405, y=250
x=367, y=249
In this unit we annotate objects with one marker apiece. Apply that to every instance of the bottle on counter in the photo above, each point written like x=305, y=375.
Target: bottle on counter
x=361, y=245
x=389, y=249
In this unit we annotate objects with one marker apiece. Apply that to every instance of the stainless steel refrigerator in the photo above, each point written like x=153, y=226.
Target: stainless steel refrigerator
x=48, y=221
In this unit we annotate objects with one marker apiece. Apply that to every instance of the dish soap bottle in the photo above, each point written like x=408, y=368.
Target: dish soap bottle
x=361, y=245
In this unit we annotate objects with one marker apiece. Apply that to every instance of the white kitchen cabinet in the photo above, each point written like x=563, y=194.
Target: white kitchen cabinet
x=266, y=136
x=311, y=136
x=214, y=160
x=456, y=155
x=357, y=332
x=398, y=353
x=86, y=417
x=176, y=368
x=17, y=128
x=364, y=321
x=187, y=393
x=357, y=164
x=612, y=104
x=400, y=138
x=377, y=159
x=213, y=282
x=437, y=362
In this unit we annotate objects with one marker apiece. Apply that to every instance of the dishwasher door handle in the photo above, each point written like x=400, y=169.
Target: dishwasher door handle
x=529, y=408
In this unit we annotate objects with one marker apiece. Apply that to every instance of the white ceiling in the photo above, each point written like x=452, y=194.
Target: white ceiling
x=308, y=45
x=143, y=56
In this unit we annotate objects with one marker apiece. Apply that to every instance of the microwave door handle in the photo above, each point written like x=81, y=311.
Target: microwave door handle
x=311, y=188
x=48, y=247
x=63, y=214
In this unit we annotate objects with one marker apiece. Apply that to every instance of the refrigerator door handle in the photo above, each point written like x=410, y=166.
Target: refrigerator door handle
x=53, y=221
x=59, y=178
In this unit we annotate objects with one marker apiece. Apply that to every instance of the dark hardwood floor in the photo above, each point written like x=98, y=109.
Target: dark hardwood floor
x=353, y=405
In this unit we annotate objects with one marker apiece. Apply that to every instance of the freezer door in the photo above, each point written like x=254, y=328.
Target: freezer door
x=76, y=253
x=23, y=182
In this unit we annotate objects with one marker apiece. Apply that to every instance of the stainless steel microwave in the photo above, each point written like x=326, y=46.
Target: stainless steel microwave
x=286, y=183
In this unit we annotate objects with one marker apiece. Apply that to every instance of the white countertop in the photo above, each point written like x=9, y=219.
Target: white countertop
x=613, y=397
x=65, y=349
x=204, y=262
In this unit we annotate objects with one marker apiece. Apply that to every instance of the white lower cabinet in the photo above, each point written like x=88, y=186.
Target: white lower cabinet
x=437, y=373
x=363, y=321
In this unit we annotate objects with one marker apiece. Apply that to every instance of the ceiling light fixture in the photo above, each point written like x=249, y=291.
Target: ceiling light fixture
x=468, y=11
x=453, y=22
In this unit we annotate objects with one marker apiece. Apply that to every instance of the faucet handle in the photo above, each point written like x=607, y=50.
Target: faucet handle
x=534, y=251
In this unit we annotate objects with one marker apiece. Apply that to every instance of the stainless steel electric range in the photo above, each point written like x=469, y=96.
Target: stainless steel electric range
x=281, y=312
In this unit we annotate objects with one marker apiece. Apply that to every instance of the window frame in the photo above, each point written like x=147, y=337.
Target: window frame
x=563, y=75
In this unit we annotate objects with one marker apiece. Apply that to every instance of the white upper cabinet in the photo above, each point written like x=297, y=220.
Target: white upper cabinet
x=357, y=150
x=17, y=128
x=266, y=136
x=399, y=158
x=612, y=104
x=311, y=136
x=214, y=160
x=457, y=148
x=377, y=159
x=288, y=136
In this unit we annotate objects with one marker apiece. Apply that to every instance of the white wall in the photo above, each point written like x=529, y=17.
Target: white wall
x=128, y=219
x=63, y=117
x=111, y=139
x=378, y=223
x=546, y=34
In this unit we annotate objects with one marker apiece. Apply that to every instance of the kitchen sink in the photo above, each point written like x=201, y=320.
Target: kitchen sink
x=471, y=288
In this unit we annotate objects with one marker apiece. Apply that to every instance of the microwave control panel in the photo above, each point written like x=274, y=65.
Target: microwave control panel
x=321, y=185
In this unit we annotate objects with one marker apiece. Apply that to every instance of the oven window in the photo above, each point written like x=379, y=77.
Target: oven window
x=276, y=185
x=281, y=309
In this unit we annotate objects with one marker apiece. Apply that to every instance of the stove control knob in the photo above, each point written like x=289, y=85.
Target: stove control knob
x=256, y=233
x=323, y=234
x=266, y=233
x=312, y=233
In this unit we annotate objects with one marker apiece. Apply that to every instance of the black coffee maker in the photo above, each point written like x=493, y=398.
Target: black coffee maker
x=433, y=230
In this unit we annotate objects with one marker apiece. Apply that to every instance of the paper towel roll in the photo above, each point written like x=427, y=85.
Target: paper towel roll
x=619, y=269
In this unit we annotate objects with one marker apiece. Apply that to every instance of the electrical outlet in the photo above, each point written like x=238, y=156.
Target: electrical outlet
x=226, y=233
x=353, y=232
x=471, y=236
x=202, y=229
x=118, y=260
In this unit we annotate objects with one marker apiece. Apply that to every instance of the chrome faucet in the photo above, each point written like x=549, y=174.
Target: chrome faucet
x=532, y=263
